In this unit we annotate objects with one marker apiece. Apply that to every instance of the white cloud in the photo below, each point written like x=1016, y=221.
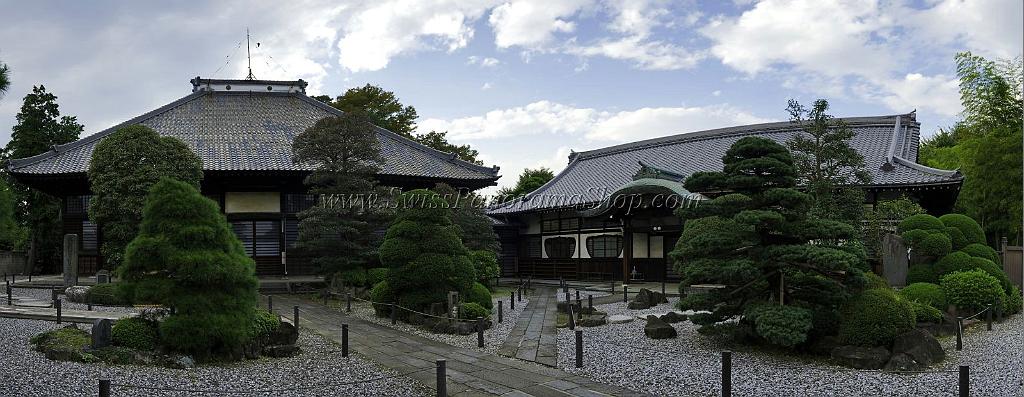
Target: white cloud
x=532, y=24
x=648, y=55
x=542, y=117
x=485, y=87
x=486, y=62
x=939, y=94
x=716, y=93
x=992, y=28
x=646, y=123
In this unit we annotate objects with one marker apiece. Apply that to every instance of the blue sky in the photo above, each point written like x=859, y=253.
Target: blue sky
x=523, y=81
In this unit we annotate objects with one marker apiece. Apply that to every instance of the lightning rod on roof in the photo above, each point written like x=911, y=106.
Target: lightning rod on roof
x=248, y=55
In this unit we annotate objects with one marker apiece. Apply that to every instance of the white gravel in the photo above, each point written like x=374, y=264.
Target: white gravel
x=44, y=295
x=560, y=295
x=690, y=365
x=25, y=372
x=494, y=337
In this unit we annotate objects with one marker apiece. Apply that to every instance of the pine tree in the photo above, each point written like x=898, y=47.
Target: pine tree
x=475, y=228
x=187, y=258
x=784, y=272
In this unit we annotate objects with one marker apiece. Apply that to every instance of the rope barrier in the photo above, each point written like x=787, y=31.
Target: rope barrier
x=264, y=391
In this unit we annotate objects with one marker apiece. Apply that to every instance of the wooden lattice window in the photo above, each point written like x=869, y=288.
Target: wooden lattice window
x=604, y=246
x=560, y=247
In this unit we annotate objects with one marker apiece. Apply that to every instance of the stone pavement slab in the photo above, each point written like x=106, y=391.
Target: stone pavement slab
x=534, y=337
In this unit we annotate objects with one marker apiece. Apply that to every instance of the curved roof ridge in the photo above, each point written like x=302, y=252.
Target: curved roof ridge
x=57, y=149
x=749, y=129
x=926, y=169
x=449, y=157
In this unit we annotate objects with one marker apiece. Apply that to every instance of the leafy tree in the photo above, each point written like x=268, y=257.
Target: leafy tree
x=124, y=166
x=826, y=162
x=423, y=250
x=339, y=233
x=11, y=234
x=476, y=229
x=529, y=180
x=39, y=127
x=881, y=219
x=186, y=258
x=5, y=79
x=384, y=109
x=777, y=263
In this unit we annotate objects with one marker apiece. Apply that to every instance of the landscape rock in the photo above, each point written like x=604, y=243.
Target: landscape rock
x=619, y=319
x=824, y=345
x=646, y=299
x=285, y=334
x=657, y=329
x=673, y=317
x=181, y=362
x=593, y=320
x=903, y=362
x=77, y=293
x=280, y=350
x=920, y=345
x=101, y=333
x=861, y=357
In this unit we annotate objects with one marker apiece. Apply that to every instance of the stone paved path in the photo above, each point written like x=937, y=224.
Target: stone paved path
x=470, y=372
x=535, y=337
x=50, y=314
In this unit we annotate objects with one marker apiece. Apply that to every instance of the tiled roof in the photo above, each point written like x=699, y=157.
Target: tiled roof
x=252, y=131
x=889, y=145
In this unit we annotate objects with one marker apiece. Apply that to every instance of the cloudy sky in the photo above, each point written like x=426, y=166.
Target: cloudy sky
x=523, y=81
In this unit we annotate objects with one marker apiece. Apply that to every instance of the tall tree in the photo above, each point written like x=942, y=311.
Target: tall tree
x=785, y=273
x=11, y=233
x=384, y=109
x=827, y=164
x=39, y=127
x=528, y=181
x=5, y=79
x=124, y=166
x=339, y=232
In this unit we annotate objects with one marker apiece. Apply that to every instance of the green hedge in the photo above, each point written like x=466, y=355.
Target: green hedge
x=480, y=295
x=875, y=281
x=381, y=292
x=981, y=251
x=265, y=323
x=376, y=275
x=875, y=318
x=110, y=294
x=972, y=290
x=922, y=273
x=780, y=325
x=926, y=314
x=1014, y=301
x=921, y=222
x=936, y=245
x=472, y=310
x=135, y=333
x=925, y=293
x=972, y=232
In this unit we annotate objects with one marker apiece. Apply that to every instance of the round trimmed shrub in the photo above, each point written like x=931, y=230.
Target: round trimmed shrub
x=970, y=229
x=956, y=237
x=981, y=251
x=922, y=222
x=922, y=273
x=954, y=262
x=914, y=237
x=376, y=275
x=1014, y=301
x=926, y=314
x=972, y=290
x=110, y=294
x=381, y=292
x=485, y=262
x=472, y=310
x=480, y=295
x=135, y=333
x=936, y=245
x=875, y=318
x=875, y=281
x=925, y=293
x=780, y=325
x=265, y=323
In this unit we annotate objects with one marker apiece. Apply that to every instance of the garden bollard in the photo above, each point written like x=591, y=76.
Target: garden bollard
x=520, y=294
x=442, y=383
x=53, y=296
x=572, y=317
x=88, y=307
x=965, y=381
x=663, y=287
x=9, y=293
x=104, y=387
x=512, y=301
x=590, y=301
x=30, y=277
x=348, y=301
x=577, y=295
x=270, y=303
x=344, y=340
x=959, y=333
x=296, y=310
x=579, y=348
x=479, y=332
x=613, y=287
x=326, y=295
x=988, y=317
x=726, y=373
x=568, y=300
x=394, y=314
x=625, y=293
x=561, y=282
x=500, y=305
x=58, y=305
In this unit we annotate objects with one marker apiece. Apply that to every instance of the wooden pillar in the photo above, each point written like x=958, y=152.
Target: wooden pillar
x=70, y=260
x=627, y=248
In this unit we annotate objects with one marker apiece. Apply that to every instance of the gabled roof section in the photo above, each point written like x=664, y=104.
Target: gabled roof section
x=253, y=131
x=889, y=145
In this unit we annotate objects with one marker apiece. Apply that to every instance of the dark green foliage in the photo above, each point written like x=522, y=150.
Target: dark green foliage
x=5, y=79
x=111, y=294
x=1014, y=301
x=64, y=344
x=135, y=333
x=376, y=275
x=924, y=222
x=423, y=250
x=935, y=245
x=922, y=273
x=972, y=290
x=12, y=235
x=785, y=326
x=926, y=314
x=885, y=211
x=982, y=251
x=439, y=141
x=39, y=128
x=528, y=181
x=970, y=229
x=956, y=238
x=926, y=293
x=264, y=323
x=382, y=293
x=926, y=235
x=187, y=258
x=960, y=261
x=874, y=281
x=476, y=229
x=480, y=295
x=486, y=265
x=757, y=239
x=354, y=277
x=875, y=318
x=473, y=310
x=338, y=233
x=124, y=166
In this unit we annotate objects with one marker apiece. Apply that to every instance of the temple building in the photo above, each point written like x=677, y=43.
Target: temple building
x=243, y=132
x=609, y=213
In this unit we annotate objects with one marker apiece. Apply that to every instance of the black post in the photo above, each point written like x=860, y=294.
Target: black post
x=9, y=294
x=500, y=305
x=572, y=317
x=999, y=314
x=512, y=301
x=561, y=282
x=30, y=276
x=270, y=303
x=965, y=381
x=58, y=305
x=625, y=293
x=344, y=340
x=579, y=348
x=53, y=296
x=520, y=294
x=479, y=332
x=296, y=310
x=663, y=286
x=726, y=373
x=590, y=301
x=326, y=294
x=442, y=383
x=568, y=298
x=89, y=306
x=348, y=301
x=394, y=314
x=577, y=295
x=613, y=286
x=104, y=387
x=988, y=317
x=959, y=333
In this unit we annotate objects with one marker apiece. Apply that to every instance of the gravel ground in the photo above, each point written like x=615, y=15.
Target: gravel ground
x=45, y=295
x=560, y=295
x=25, y=372
x=689, y=365
x=493, y=337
